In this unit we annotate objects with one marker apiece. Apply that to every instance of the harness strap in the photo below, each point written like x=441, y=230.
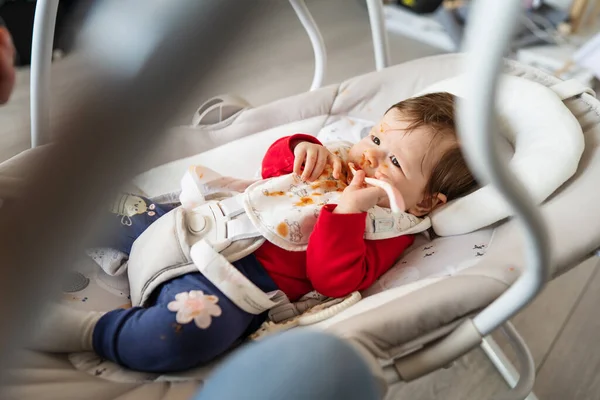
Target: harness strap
x=231, y=282
x=241, y=228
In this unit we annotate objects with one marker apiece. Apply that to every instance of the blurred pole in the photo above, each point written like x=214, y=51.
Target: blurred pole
x=41, y=63
x=144, y=57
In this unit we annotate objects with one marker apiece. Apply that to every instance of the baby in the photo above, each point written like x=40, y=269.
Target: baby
x=188, y=321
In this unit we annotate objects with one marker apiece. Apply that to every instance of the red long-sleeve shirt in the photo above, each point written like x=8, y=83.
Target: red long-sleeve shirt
x=338, y=259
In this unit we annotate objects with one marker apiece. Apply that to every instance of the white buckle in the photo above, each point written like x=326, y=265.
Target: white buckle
x=232, y=206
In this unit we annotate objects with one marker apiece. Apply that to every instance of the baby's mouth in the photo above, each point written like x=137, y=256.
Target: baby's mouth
x=352, y=168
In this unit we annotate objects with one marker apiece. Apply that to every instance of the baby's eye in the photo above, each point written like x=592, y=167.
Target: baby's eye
x=394, y=161
x=376, y=140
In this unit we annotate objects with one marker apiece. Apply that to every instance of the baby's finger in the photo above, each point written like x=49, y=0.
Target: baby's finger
x=371, y=195
x=319, y=166
x=337, y=167
x=299, y=160
x=309, y=164
x=358, y=179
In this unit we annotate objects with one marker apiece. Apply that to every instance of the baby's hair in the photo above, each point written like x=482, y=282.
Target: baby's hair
x=450, y=175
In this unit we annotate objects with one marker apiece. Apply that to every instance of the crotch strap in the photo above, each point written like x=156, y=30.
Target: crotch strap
x=222, y=222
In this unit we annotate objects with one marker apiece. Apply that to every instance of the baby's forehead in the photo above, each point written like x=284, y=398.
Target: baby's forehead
x=396, y=123
x=420, y=144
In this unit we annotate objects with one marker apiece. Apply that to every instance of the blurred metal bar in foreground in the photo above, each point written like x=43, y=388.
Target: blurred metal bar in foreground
x=144, y=55
x=41, y=63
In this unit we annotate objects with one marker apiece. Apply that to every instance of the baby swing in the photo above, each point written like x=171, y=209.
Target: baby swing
x=443, y=297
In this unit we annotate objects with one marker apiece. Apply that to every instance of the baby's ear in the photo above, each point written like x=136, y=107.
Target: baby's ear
x=428, y=204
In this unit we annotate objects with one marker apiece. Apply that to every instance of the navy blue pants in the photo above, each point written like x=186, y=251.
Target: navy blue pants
x=188, y=321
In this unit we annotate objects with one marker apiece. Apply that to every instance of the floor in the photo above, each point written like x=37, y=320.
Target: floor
x=274, y=61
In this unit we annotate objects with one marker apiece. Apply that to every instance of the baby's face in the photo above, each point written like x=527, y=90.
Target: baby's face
x=402, y=158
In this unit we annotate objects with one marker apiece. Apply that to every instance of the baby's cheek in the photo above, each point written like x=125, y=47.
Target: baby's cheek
x=355, y=152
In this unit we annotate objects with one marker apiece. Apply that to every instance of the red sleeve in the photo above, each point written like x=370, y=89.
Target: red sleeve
x=339, y=260
x=279, y=159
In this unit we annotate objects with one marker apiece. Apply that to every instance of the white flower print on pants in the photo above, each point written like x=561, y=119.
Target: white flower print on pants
x=196, y=306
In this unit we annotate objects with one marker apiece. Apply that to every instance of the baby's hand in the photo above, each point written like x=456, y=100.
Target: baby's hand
x=314, y=158
x=358, y=198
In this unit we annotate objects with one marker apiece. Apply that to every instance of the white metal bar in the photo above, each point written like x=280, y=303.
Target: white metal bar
x=491, y=24
x=380, y=39
x=41, y=61
x=502, y=363
x=316, y=40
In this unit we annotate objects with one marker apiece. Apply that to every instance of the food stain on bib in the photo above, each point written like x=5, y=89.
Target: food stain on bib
x=304, y=201
x=329, y=185
x=270, y=194
x=327, y=172
x=283, y=229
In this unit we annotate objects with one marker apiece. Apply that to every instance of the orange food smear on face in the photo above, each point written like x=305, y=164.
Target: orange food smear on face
x=315, y=185
x=278, y=193
x=363, y=162
x=304, y=201
x=316, y=194
x=283, y=229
